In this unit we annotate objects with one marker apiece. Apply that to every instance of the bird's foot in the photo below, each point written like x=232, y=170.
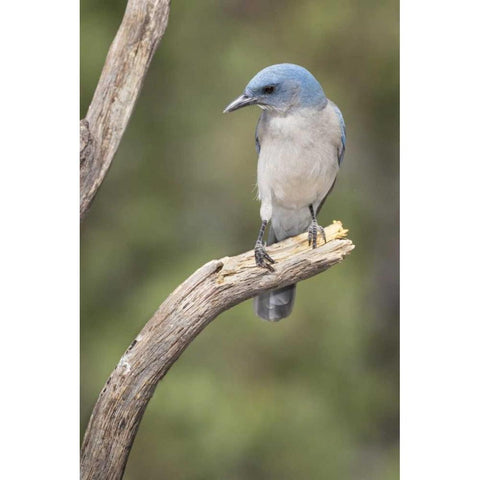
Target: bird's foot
x=313, y=230
x=262, y=258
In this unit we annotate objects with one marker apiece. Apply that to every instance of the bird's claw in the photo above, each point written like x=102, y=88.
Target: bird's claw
x=262, y=258
x=313, y=230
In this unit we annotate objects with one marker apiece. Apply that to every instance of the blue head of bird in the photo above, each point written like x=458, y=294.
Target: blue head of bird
x=281, y=88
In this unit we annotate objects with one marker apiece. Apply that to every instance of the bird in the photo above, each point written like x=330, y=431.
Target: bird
x=300, y=141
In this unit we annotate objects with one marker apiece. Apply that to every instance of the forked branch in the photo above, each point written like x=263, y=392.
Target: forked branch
x=122, y=77
x=212, y=289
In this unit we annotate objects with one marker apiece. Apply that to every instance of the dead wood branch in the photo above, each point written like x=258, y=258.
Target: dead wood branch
x=127, y=63
x=212, y=289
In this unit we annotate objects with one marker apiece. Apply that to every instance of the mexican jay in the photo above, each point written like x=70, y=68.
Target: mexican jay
x=300, y=140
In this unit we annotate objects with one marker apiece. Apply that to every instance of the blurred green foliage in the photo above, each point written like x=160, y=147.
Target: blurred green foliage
x=316, y=395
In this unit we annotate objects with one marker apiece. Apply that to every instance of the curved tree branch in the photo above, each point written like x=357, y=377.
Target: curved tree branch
x=212, y=289
x=127, y=62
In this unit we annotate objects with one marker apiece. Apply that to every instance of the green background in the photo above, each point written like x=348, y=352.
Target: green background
x=316, y=395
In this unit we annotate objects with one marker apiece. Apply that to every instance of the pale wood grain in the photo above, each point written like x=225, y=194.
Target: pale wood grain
x=122, y=77
x=212, y=289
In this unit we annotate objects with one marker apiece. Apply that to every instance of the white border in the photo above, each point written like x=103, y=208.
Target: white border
x=40, y=240
x=439, y=230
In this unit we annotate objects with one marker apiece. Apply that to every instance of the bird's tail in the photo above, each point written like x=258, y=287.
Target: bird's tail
x=275, y=304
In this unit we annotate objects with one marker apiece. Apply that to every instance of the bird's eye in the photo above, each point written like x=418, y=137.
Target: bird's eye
x=268, y=90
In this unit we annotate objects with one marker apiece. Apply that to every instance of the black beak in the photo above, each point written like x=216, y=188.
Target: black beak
x=241, y=101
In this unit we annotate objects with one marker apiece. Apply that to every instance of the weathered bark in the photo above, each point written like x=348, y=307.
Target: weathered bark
x=212, y=289
x=127, y=62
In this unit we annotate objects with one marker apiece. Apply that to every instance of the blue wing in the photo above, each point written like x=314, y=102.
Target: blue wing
x=341, y=150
